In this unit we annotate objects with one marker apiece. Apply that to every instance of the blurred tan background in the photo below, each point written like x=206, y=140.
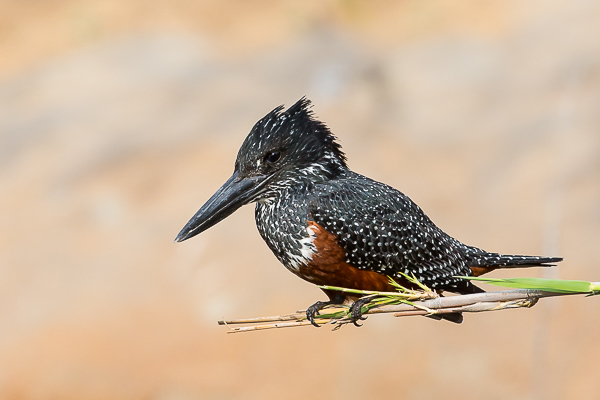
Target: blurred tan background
x=118, y=119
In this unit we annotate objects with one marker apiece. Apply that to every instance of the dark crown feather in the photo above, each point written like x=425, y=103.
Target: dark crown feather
x=300, y=119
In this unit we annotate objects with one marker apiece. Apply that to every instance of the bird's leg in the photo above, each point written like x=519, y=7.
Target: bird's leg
x=356, y=309
x=312, y=311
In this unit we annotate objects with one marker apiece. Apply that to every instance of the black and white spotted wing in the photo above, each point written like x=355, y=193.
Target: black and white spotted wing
x=382, y=230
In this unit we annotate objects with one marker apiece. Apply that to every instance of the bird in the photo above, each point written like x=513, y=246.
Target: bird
x=332, y=226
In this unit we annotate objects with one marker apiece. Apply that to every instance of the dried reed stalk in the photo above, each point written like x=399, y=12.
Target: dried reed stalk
x=337, y=317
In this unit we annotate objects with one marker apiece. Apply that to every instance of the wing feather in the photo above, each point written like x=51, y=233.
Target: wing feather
x=382, y=230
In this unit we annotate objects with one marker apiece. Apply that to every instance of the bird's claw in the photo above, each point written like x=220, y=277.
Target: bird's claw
x=356, y=310
x=313, y=311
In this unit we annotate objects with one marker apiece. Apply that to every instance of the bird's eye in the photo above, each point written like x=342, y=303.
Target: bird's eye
x=273, y=157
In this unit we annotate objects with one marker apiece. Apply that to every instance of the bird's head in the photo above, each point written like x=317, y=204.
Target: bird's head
x=283, y=150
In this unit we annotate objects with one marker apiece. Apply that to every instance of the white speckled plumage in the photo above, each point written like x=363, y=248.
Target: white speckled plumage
x=328, y=224
x=379, y=228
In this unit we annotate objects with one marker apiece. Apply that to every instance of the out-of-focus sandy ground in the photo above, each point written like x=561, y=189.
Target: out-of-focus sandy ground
x=118, y=119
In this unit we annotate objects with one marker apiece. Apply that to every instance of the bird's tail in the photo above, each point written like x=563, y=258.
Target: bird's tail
x=482, y=262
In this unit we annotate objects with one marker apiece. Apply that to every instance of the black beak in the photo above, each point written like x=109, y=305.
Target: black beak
x=232, y=195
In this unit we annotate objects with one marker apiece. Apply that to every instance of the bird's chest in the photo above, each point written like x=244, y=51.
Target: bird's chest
x=283, y=225
x=309, y=250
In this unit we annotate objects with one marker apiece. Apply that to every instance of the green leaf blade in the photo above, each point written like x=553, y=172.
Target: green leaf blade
x=547, y=285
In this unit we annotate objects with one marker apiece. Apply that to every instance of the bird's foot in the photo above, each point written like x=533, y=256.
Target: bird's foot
x=334, y=298
x=313, y=311
x=356, y=309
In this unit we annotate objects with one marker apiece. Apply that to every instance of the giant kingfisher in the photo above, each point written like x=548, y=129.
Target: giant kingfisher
x=332, y=226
